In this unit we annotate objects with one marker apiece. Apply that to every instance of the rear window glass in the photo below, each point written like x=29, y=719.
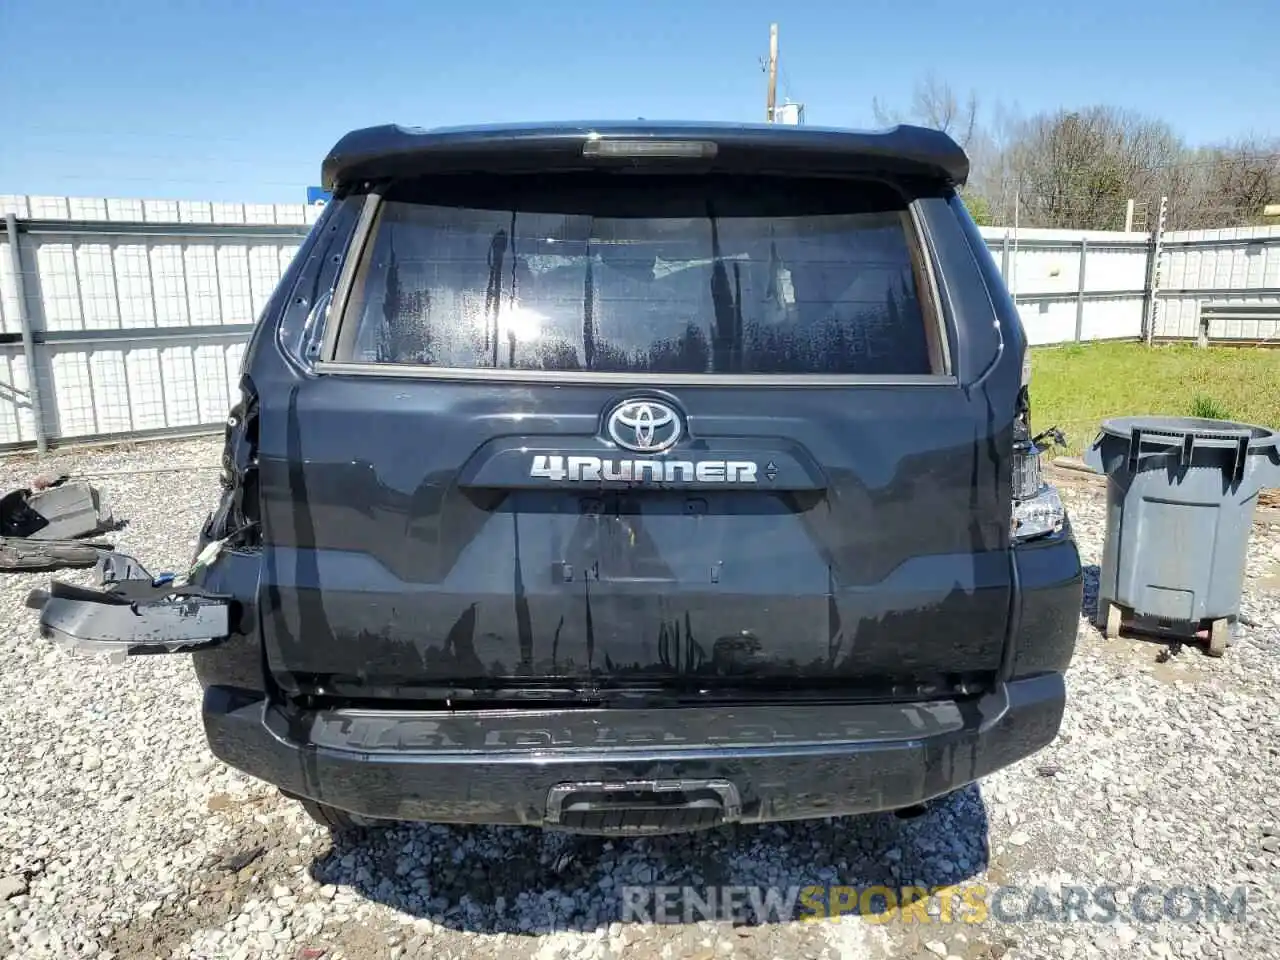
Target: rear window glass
x=643, y=275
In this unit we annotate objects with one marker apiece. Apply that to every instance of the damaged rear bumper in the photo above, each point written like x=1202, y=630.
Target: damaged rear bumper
x=775, y=762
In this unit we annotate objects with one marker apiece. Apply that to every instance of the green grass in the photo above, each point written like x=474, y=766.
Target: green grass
x=1077, y=386
x=1207, y=408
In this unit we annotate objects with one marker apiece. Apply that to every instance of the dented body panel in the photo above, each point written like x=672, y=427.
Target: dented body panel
x=385, y=566
x=454, y=591
x=420, y=532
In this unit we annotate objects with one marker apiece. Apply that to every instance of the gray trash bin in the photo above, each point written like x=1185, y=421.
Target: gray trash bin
x=1180, y=499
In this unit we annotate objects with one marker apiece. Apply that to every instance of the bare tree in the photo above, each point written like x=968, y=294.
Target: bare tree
x=935, y=104
x=1078, y=168
x=1243, y=179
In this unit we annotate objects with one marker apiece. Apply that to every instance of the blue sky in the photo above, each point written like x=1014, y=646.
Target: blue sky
x=240, y=99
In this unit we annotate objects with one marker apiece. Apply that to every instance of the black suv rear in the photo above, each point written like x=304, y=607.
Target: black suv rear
x=625, y=478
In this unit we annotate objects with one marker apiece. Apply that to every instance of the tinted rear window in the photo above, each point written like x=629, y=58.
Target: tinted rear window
x=643, y=275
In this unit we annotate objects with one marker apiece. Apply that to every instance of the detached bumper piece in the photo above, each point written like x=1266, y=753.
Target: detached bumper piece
x=39, y=529
x=135, y=614
x=18, y=555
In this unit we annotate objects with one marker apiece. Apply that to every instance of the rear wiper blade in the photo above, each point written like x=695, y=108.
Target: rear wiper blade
x=493, y=292
x=727, y=335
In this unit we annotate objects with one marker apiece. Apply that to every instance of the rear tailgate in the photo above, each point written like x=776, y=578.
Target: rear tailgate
x=816, y=496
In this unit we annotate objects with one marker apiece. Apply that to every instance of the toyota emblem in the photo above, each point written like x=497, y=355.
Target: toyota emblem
x=645, y=426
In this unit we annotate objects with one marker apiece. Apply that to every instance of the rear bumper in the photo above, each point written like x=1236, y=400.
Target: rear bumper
x=785, y=762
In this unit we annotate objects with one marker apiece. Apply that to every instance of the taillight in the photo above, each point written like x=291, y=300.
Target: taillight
x=1028, y=477
x=1038, y=516
x=1037, y=508
x=237, y=512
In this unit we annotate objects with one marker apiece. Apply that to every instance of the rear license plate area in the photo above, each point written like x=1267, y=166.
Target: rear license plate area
x=639, y=538
x=642, y=808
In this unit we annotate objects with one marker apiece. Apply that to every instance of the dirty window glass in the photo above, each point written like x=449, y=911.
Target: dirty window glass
x=704, y=276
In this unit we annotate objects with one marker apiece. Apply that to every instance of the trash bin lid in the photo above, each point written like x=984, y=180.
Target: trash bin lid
x=1178, y=427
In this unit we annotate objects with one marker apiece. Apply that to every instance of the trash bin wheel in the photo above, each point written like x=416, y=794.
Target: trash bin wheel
x=1111, y=624
x=1218, y=632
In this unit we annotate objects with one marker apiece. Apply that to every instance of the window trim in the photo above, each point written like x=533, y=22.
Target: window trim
x=339, y=335
x=412, y=371
x=934, y=316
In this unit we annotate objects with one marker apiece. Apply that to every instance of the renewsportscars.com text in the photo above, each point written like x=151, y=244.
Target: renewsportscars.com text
x=969, y=904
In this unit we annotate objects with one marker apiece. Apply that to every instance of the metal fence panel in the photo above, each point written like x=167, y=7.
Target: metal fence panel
x=17, y=422
x=1074, y=284
x=139, y=310
x=1237, y=266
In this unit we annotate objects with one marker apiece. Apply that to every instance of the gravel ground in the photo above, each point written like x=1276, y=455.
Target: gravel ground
x=121, y=836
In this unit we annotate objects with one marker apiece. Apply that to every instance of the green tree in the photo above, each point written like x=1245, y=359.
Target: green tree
x=978, y=207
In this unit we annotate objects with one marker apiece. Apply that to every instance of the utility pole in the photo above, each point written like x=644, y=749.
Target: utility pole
x=773, y=73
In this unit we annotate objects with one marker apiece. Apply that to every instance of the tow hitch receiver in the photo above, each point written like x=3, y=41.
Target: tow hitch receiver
x=642, y=808
x=134, y=614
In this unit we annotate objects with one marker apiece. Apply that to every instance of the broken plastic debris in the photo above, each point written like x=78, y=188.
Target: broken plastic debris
x=60, y=511
x=117, y=567
x=117, y=651
x=19, y=553
x=87, y=622
x=39, y=525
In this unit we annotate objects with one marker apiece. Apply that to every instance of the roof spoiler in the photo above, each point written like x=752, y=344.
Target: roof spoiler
x=391, y=151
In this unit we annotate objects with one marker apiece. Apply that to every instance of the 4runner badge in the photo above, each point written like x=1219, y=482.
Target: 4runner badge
x=643, y=426
x=586, y=469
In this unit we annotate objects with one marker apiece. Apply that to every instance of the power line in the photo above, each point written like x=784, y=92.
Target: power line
x=788, y=89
